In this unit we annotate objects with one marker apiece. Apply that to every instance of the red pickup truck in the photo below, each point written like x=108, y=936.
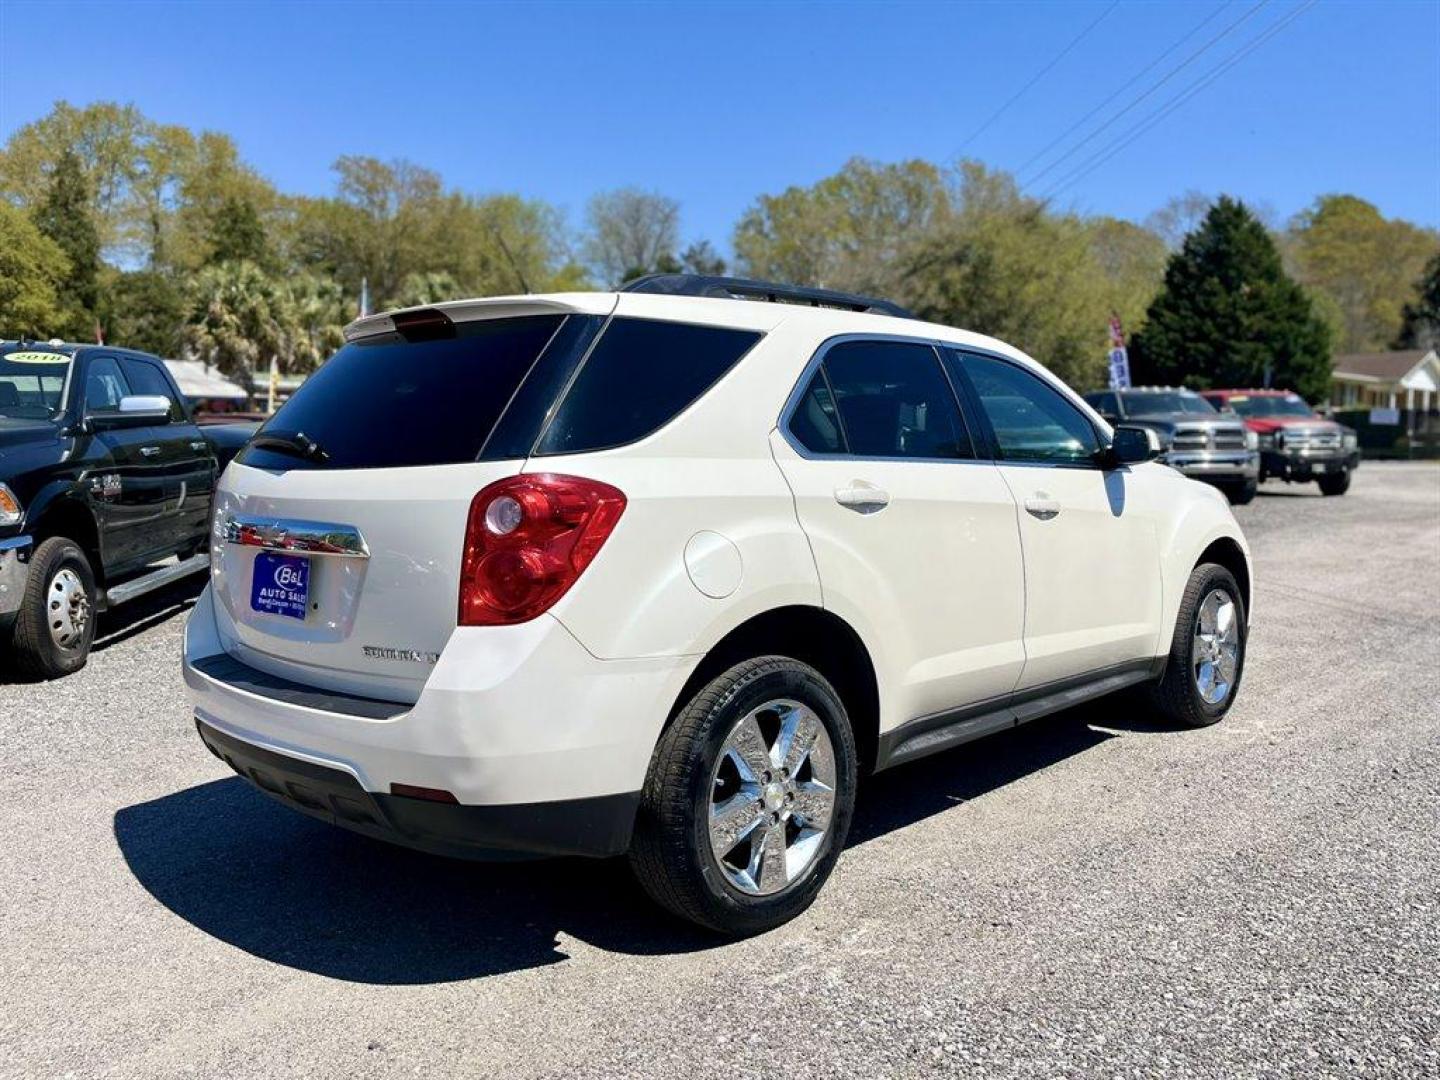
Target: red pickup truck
x=1297, y=444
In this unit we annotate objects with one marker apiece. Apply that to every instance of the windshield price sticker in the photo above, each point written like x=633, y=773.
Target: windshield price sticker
x=36, y=358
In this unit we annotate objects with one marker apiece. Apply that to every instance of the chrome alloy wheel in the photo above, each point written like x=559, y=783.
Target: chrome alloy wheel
x=772, y=795
x=1215, y=654
x=67, y=609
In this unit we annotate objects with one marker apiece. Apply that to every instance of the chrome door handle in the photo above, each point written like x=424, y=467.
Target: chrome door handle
x=863, y=498
x=149, y=451
x=1042, y=506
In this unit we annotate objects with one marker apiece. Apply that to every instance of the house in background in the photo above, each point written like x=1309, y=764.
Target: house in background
x=1408, y=380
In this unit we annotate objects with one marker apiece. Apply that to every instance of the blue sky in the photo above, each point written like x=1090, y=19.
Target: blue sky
x=716, y=103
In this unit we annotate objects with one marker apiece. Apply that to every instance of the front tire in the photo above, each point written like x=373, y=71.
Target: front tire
x=1241, y=494
x=56, y=622
x=1336, y=484
x=748, y=799
x=1207, y=653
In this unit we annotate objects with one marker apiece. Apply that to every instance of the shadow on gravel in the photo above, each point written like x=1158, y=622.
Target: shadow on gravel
x=297, y=892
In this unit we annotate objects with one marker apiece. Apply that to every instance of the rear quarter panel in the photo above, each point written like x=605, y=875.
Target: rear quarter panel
x=708, y=471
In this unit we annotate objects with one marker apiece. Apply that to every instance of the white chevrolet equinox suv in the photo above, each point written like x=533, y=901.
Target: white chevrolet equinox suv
x=666, y=571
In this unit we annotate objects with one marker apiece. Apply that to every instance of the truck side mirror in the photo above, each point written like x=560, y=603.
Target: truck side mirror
x=135, y=410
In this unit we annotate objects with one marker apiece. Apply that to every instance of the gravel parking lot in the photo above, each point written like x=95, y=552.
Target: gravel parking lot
x=1088, y=896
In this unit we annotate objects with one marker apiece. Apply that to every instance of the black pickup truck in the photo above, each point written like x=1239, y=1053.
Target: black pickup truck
x=105, y=491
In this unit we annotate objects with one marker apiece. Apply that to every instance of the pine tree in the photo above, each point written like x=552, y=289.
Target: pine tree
x=1229, y=315
x=236, y=234
x=1420, y=320
x=64, y=216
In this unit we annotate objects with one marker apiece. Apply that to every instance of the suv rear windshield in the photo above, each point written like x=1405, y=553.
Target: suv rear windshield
x=390, y=403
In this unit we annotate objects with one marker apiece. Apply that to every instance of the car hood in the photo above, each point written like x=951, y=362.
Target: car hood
x=1182, y=419
x=15, y=433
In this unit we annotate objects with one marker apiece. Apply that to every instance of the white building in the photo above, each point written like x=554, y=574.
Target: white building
x=1408, y=380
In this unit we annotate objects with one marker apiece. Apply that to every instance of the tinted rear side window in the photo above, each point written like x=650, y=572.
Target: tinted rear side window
x=391, y=402
x=815, y=422
x=641, y=375
x=894, y=401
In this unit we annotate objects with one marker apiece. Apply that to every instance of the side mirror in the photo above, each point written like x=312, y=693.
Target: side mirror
x=136, y=410
x=1132, y=445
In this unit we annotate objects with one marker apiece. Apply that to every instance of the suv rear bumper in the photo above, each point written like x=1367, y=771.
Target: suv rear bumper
x=594, y=826
x=543, y=746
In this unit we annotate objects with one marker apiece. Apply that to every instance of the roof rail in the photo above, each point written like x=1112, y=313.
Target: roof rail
x=733, y=288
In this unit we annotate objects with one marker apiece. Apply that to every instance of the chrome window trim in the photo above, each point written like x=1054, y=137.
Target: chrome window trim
x=797, y=394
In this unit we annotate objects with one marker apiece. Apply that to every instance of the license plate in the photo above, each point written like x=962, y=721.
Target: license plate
x=1320, y=466
x=280, y=585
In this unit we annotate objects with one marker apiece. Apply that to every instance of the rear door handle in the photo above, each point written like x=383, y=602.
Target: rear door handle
x=1042, y=506
x=863, y=498
x=149, y=451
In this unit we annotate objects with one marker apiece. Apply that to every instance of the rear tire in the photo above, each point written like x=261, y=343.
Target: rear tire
x=56, y=622
x=1337, y=484
x=1187, y=694
x=701, y=795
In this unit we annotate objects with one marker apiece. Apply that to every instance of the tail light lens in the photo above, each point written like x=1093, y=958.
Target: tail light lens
x=528, y=539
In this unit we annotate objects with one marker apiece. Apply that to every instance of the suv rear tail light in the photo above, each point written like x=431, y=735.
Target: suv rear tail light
x=528, y=539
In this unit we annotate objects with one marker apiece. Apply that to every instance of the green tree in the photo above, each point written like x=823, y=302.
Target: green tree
x=1004, y=265
x=104, y=136
x=1420, y=318
x=631, y=233
x=848, y=231
x=1344, y=249
x=143, y=309
x=702, y=258
x=236, y=233
x=241, y=319
x=32, y=266
x=420, y=290
x=1229, y=315
x=1131, y=260
x=64, y=216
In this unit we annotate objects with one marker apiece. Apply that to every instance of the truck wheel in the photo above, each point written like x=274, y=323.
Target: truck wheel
x=748, y=798
x=56, y=621
x=1242, y=493
x=1207, y=653
x=1336, y=484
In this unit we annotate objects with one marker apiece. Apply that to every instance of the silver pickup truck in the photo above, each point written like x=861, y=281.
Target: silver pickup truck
x=1198, y=440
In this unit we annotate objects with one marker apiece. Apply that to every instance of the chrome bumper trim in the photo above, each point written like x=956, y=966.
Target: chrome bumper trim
x=14, y=571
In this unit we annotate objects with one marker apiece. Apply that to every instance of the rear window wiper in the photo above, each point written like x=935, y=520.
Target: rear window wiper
x=297, y=443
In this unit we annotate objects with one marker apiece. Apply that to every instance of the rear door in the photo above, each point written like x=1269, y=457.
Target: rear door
x=914, y=537
x=1092, y=560
x=180, y=455
x=340, y=568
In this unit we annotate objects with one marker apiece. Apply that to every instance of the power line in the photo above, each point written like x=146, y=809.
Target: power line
x=1150, y=90
x=1126, y=86
x=1038, y=76
x=1134, y=132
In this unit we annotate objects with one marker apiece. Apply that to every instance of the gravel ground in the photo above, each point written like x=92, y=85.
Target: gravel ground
x=1088, y=896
